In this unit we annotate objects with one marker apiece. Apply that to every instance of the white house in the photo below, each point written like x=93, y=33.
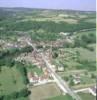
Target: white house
x=61, y=68
x=76, y=81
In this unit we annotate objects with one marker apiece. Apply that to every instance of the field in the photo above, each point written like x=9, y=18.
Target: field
x=85, y=54
x=45, y=91
x=10, y=80
x=66, y=97
x=91, y=20
x=86, y=96
x=54, y=19
x=86, y=32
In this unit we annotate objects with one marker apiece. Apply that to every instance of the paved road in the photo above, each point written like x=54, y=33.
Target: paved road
x=61, y=83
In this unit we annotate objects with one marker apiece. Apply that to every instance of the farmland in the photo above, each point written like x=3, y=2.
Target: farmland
x=86, y=96
x=66, y=97
x=11, y=82
x=48, y=90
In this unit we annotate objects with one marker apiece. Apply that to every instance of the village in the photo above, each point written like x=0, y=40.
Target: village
x=47, y=54
x=38, y=78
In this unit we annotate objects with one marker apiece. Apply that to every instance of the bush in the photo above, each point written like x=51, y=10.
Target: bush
x=24, y=93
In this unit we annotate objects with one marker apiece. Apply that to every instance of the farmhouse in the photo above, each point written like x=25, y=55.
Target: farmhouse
x=93, y=90
x=65, y=34
x=32, y=78
x=76, y=79
x=61, y=68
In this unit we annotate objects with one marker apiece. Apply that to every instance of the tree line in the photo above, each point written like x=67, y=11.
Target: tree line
x=48, y=26
x=15, y=95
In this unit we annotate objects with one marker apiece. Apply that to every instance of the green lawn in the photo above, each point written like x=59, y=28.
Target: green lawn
x=66, y=97
x=10, y=80
x=85, y=54
x=87, y=96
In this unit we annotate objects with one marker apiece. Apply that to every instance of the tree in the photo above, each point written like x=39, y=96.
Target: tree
x=1, y=97
x=93, y=76
x=24, y=93
x=23, y=72
x=71, y=82
x=14, y=95
x=55, y=55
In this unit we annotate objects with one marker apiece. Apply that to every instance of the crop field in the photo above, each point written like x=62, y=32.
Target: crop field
x=10, y=80
x=66, y=97
x=87, y=96
x=79, y=34
x=91, y=20
x=45, y=91
x=86, y=54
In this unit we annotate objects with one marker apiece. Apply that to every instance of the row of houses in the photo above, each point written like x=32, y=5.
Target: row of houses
x=34, y=78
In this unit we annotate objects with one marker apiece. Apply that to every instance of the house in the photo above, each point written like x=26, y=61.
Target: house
x=93, y=90
x=65, y=34
x=43, y=78
x=61, y=68
x=54, y=68
x=33, y=78
x=77, y=76
x=76, y=81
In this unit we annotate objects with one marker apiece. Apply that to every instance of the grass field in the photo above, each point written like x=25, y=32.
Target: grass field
x=86, y=32
x=85, y=54
x=66, y=97
x=10, y=80
x=45, y=91
x=87, y=96
x=91, y=20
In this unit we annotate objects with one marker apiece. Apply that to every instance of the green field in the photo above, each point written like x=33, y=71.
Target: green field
x=92, y=31
x=85, y=54
x=84, y=96
x=10, y=80
x=91, y=20
x=87, y=96
x=66, y=97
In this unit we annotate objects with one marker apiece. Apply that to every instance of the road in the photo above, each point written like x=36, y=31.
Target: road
x=61, y=83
